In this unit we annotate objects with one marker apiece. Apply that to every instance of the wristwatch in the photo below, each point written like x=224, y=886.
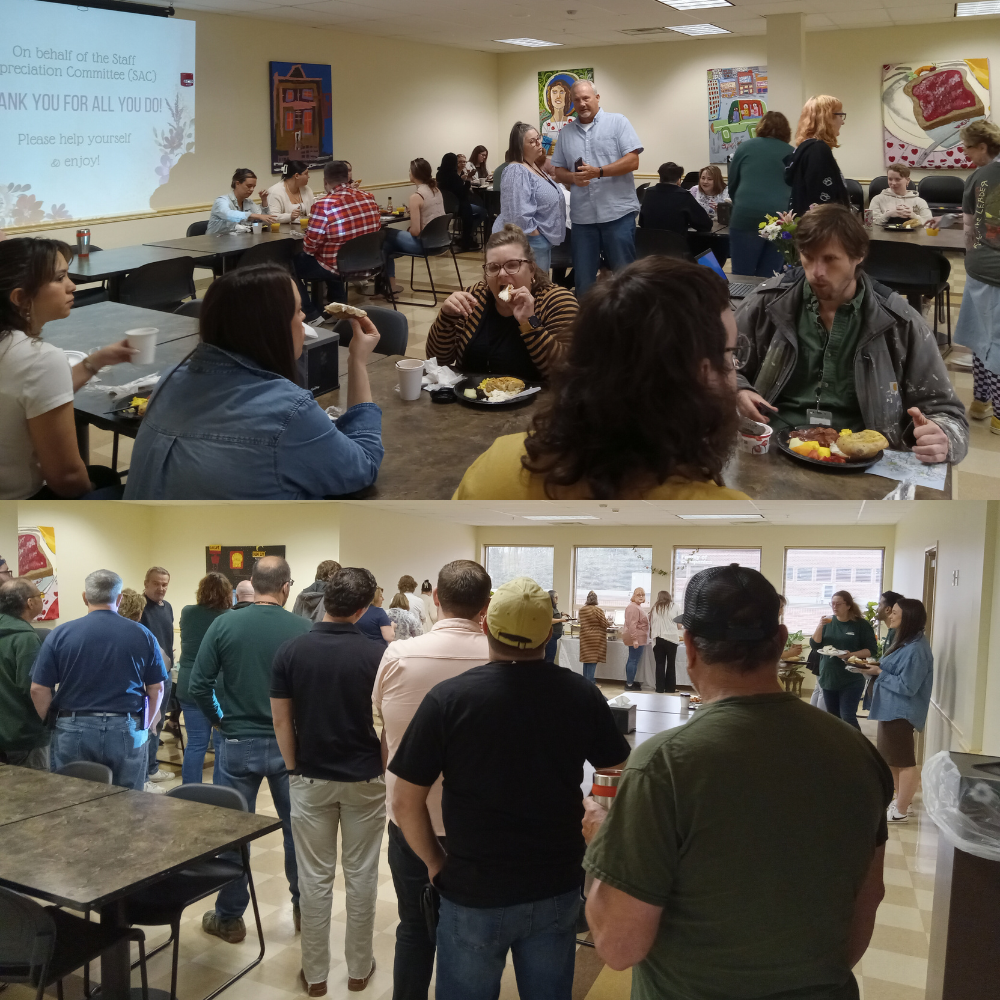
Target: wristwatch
x=534, y=322
x=601, y=174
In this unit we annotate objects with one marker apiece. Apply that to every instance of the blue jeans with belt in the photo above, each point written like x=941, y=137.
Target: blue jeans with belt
x=118, y=741
x=244, y=765
x=615, y=241
x=632, y=663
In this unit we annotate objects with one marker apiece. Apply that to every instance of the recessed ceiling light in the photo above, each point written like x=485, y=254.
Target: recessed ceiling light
x=695, y=4
x=721, y=517
x=560, y=517
x=701, y=29
x=972, y=9
x=529, y=43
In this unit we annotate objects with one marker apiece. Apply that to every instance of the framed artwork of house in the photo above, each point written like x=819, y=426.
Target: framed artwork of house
x=301, y=114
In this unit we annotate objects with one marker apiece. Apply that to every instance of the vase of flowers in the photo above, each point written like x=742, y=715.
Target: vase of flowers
x=780, y=230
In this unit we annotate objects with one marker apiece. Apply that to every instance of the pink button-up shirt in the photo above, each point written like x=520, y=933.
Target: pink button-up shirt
x=636, y=625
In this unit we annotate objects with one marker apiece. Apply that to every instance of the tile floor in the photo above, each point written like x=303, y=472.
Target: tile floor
x=893, y=968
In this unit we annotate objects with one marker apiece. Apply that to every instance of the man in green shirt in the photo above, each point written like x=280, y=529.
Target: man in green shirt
x=239, y=647
x=705, y=868
x=24, y=740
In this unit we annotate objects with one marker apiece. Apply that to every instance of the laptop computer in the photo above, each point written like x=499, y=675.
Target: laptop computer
x=737, y=289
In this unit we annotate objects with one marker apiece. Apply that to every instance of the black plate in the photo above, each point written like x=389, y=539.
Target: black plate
x=123, y=408
x=859, y=465
x=471, y=381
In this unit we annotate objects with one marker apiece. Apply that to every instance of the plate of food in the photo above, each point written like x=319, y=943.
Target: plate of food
x=829, y=650
x=869, y=661
x=828, y=448
x=132, y=405
x=494, y=390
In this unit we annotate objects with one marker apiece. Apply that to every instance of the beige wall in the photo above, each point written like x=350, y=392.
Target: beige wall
x=8, y=532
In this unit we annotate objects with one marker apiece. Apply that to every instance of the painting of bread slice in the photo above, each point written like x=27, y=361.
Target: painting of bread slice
x=343, y=309
x=862, y=444
x=942, y=97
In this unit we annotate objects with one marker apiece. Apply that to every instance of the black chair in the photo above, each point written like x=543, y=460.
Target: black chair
x=164, y=901
x=162, y=285
x=88, y=770
x=856, y=193
x=41, y=945
x=690, y=180
x=880, y=183
x=453, y=207
x=88, y=296
x=214, y=263
x=360, y=258
x=913, y=271
x=640, y=191
x=942, y=193
x=190, y=308
x=435, y=240
x=562, y=261
x=394, y=330
x=197, y=228
x=492, y=205
x=662, y=242
x=278, y=252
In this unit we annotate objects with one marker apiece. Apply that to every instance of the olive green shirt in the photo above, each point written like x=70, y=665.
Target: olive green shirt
x=852, y=636
x=753, y=826
x=823, y=377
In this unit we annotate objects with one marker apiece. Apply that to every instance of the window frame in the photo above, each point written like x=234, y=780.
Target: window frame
x=834, y=583
x=574, y=608
x=759, y=549
x=531, y=545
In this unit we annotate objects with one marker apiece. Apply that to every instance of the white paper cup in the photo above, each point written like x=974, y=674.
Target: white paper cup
x=754, y=438
x=411, y=372
x=144, y=341
x=255, y=227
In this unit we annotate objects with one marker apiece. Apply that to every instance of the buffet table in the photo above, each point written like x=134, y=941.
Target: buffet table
x=614, y=668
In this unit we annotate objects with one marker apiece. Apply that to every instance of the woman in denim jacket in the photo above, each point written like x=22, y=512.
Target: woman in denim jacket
x=231, y=422
x=900, y=698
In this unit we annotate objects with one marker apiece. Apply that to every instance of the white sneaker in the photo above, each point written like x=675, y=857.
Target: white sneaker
x=895, y=816
x=150, y=787
x=159, y=775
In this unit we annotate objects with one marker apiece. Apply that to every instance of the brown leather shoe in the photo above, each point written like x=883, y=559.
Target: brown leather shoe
x=313, y=989
x=357, y=985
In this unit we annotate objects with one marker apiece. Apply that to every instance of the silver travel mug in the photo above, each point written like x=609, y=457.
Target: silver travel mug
x=83, y=243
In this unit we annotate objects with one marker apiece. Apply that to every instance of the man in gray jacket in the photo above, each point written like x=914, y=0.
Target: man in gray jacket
x=826, y=337
x=309, y=603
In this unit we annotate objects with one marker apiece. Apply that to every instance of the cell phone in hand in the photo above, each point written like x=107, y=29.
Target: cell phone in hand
x=579, y=163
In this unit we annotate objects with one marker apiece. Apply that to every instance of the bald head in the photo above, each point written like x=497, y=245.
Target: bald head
x=271, y=577
x=586, y=101
x=244, y=591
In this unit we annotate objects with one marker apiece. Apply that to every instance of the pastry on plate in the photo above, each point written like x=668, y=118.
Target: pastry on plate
x=862, y=444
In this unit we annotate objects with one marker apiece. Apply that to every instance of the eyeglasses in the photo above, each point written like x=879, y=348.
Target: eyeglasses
x=741, y=352
x=508, y=267
x=534, y=142
x=842, y=115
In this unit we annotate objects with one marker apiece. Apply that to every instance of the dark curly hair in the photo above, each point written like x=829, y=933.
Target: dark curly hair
x=630, y=407
x=27, y=264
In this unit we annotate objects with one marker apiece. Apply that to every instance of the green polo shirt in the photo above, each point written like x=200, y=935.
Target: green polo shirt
x=823, y=377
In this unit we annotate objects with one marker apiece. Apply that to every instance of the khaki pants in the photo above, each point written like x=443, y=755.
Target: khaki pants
x=318, y=808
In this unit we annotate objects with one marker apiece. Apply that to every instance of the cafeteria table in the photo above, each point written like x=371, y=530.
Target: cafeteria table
x=228, y=245
x=93, y=854
x=429, y=446
x=25, y=793
x=112, y=265
x=946, y=239
x=104, y=323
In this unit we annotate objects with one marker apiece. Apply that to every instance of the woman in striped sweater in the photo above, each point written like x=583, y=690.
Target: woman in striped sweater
x=524, y=337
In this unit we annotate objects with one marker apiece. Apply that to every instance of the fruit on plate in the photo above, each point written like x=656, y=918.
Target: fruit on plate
x=824, y=444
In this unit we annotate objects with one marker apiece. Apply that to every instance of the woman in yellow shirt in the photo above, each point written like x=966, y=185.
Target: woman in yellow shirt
x=644, y=406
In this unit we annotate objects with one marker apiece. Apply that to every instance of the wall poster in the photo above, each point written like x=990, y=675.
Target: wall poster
x=36, y=559
x=555, y=102
x=737, y=100
x=301, y=114
x=925, y=106
x=236, y=562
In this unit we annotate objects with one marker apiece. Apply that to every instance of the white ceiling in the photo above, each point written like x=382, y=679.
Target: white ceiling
x=474, y=24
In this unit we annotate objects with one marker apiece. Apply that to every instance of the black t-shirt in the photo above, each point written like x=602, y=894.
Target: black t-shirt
x=497, y=348
x=510, y=740
x=159, y=619
x=329, y=674
x=667, y=206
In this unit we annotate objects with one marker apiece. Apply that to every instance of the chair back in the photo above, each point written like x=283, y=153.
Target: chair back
x=877, y=186
x=27, y=938
x=162, y=285
x=88, y=770
x=361, y=256
x=450, y=200
x=393, y=329
x=493, y=202
x=662, y=242
x=435, y=237
x=907, y=266
x=944, y=192
x=690, y=180
x=190, y=308
x=197, y=228
x=856, y=193
x=640, y=191
x=211, y=795
x=273, y=252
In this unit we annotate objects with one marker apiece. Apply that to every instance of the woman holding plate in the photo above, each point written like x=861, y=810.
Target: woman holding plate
x=848, y=632
x=900, y=699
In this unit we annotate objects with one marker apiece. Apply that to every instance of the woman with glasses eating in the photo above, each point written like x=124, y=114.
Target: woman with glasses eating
x=812, y=172
x=514, y=322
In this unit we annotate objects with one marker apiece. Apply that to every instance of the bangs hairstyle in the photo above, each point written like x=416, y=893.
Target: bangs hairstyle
x=480, y=167
x=852, y=609
x=249, y=311
x=28, y=264
x=421, y=170
x=774, y=125
x=913, y=623
x=242, y=174
x=718, y=184
x=826, y=223
x=515, y=145
x=292, y=167
x=979, y=132
x=214, y=591
x=511, y=234
x=663, y=316
x=816, y=120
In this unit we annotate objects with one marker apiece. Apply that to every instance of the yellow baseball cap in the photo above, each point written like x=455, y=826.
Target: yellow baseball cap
x=520, y=614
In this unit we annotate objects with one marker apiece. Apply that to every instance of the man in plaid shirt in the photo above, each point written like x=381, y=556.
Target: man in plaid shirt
x=341, y=214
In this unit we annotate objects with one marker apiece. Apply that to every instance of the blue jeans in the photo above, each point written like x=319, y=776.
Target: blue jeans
x=472, y=946
x=614, y=240
x=308, y=268
x=551, y=647
x=590, y=672
x=399, y=241
x=542, y=250
x=199, y=732
x=114, y=740
x=844, y=703
x=632, y=663
x=752, y=255
x=244, y=765
x=153, y=744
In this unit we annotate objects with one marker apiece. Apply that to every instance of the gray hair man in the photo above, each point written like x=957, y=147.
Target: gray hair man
x=110, y=676
x=24, y=740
